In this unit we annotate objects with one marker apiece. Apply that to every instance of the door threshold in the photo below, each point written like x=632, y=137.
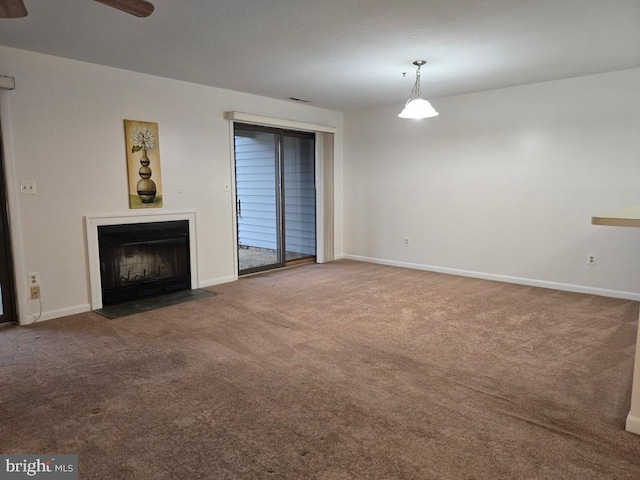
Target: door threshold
x=300, y=261
x=297, y=263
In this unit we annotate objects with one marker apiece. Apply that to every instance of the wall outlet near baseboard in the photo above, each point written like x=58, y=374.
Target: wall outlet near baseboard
x=406, y=240
x=34, y=279
x=591, y=258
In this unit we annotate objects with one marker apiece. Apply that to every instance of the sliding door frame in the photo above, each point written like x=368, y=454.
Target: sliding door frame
x=280, y=194
x=325, y=151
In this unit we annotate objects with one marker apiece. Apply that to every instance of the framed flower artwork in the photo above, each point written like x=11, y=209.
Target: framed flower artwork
x=143, y=164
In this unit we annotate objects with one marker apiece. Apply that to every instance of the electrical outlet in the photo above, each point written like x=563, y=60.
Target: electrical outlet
x=406, y=240
x=591, y=258
x=35, y=293
x=34, y=279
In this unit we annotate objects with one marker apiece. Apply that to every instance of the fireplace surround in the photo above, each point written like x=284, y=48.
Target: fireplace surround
x=132, y=256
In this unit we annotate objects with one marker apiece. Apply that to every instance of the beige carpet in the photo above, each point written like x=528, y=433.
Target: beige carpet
x=339, y=371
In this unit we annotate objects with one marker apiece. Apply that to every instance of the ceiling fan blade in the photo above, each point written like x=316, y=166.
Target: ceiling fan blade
x=12, y=9
x=139, y=8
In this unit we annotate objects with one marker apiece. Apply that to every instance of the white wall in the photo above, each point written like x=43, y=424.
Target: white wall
x=502, y=183
x=63, y=126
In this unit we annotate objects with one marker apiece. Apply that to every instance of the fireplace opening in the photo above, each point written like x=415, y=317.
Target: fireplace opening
x=143, y=260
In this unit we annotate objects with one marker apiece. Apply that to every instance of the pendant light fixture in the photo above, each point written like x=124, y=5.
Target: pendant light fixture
x=416, y=106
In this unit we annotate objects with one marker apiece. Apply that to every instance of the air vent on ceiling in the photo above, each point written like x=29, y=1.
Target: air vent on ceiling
x=301, y=100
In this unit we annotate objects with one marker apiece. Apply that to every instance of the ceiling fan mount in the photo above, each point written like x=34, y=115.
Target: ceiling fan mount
x=139, y=8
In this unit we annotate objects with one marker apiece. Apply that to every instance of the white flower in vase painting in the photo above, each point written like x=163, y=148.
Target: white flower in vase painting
x=143, y=139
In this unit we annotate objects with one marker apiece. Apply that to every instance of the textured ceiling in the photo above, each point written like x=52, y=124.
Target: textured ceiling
x=341, y=54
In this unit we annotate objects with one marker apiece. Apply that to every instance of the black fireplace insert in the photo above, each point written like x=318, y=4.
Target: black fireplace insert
x=143, y=260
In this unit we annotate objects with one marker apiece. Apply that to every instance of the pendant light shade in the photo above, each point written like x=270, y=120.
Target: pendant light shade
x=416, y=106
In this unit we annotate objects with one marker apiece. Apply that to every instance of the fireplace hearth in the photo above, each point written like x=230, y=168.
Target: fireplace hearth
x=139, y=260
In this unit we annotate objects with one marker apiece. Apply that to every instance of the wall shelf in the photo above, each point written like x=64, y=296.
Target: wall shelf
x=623, y=217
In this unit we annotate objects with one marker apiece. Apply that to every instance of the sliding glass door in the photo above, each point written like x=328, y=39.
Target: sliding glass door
x=298, y=171
x=275, y=197
x=257, y=199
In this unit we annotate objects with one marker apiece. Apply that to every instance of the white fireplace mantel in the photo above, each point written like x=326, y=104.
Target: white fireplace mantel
x=92, y=222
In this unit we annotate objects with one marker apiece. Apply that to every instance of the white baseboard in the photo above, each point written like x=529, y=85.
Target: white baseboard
x=216, y=281
x=567, y=287
x=51, y=314
x=633, y=424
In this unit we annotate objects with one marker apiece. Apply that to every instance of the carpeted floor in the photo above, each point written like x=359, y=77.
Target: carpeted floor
x=339, y=371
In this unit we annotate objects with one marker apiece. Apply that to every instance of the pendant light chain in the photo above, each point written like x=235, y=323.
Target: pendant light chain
x=415, y=93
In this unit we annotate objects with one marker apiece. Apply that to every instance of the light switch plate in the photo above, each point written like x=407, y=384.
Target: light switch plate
x=28, y=188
